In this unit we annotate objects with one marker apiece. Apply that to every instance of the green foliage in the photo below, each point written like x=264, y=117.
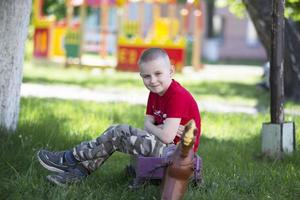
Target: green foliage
x=55, y=7
x=293, y=9
x=235, y=6
x=238, y=8
x=230, y=147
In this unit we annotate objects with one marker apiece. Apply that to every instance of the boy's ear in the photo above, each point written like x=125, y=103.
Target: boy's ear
x=172, y=70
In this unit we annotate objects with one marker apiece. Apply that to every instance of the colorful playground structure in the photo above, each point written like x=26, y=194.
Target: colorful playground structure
x=120, y=29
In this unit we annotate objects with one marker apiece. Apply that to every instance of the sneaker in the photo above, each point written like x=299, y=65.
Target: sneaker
x=54, y=161
x=67, y=178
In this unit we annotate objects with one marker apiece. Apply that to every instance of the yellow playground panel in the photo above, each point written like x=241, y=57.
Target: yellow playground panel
x=59, y=33
x=165, y=28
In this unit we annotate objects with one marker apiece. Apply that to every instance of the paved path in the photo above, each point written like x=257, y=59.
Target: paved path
x=139, y=96
x=133, y=96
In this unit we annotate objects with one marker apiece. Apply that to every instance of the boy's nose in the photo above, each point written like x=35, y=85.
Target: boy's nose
x=153, y=79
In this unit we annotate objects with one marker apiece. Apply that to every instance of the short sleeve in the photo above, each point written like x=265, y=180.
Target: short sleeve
x=149, y=109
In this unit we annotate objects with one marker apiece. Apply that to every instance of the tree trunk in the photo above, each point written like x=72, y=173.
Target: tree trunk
x=260, y=12
x=14, y=21
x=210, y=5
x=276, y=62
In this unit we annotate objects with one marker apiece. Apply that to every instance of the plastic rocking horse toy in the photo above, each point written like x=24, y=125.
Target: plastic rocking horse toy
x=181, y=166
x=175, y=167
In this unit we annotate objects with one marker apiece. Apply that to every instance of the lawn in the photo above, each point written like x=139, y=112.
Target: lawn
x=233, y=167
x=230, y=148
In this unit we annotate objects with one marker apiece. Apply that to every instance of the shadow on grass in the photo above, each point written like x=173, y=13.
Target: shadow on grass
x=230, y=169
x=22, y=177
x=235, y=169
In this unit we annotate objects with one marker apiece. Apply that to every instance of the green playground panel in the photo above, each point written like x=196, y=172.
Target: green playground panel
x=72, y=44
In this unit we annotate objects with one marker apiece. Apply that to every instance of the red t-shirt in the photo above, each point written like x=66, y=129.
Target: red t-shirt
x=177, y=102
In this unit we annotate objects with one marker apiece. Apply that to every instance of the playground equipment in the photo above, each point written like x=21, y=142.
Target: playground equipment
x=48, y=34
x=170, y=32
x=120, y=29
x=92, y=32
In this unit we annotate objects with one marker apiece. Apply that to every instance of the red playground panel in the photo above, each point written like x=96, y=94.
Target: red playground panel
x=128, y=57
x=41, y=42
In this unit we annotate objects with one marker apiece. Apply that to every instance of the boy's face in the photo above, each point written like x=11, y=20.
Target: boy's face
x=156, y=75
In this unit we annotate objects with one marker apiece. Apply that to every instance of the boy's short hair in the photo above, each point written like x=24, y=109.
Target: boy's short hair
x=152, y=54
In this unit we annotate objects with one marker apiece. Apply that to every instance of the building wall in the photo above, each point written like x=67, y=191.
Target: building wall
x=236, y=40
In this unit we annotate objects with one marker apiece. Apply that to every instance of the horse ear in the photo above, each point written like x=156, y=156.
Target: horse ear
x=188, y=135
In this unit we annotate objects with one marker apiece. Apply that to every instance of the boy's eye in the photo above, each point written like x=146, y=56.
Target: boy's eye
x=146, y=76
x=158, y=73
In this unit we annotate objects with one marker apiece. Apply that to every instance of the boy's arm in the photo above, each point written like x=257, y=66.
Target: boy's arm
x=167, y=132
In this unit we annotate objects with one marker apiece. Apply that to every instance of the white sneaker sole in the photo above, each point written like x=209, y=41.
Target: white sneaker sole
x=53, y=180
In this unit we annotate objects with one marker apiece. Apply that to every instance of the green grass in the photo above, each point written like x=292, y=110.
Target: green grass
x=230, y=147
x=55, y=74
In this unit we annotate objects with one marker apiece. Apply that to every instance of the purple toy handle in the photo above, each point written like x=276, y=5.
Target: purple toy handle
x=197, y=170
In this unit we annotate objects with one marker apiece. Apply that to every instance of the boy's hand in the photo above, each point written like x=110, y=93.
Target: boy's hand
x=180, y=131
x=161, y=126
x=148, y=120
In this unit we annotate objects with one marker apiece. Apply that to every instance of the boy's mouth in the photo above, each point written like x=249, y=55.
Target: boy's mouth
x=154, y=86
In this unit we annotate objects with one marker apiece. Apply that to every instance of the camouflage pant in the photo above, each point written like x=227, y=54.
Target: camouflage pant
x=123, y=138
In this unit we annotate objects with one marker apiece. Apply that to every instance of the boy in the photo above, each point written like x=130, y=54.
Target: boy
x=169, y=107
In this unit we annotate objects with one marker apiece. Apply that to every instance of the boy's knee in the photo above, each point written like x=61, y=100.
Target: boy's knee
x=122, y=128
